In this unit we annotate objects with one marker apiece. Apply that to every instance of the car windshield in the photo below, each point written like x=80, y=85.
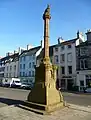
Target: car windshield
x=17, y=81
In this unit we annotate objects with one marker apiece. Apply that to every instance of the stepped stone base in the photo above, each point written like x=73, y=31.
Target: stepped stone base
x=44, y=96
x=41, y=109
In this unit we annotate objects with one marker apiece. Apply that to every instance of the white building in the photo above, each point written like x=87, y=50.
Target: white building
x=65, y=58
x=11, y=66
x=27, y=62
x=2, y=68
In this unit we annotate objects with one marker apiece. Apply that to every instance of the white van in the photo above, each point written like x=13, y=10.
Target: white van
x=15, y=82
x=11, y=82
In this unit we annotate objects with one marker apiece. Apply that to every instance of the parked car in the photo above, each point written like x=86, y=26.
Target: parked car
x=11, y=82
x=0, y=84
x=5, y=83
x=26, y=86
x=15, y=83
x=87, y=90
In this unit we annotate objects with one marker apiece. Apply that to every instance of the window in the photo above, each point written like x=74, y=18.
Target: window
x=62, y=58
x=63, y=70
x=69, y=46
x=23, y=66
x=6, y=74
x=56, y=58
x=14, y=74
x=24, y=58
x=20, y=66
x=56, y=49
x=20, y=59
x=14, y=67
x=20, y=74
x=7, y=68
x=70, y=69
x=10, y=68
x=88, y=80
x=69, y=57
x=29, y=65
x=33, y=64
x=30, y=73
x=9, y=74
x=83, y=51
x=33, y=57
x=81, y=83
x=87, y=76
x=62, y=47
x=23, y=74
x=83, y=64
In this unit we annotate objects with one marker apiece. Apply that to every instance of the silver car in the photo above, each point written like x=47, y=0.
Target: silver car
x=88, y=90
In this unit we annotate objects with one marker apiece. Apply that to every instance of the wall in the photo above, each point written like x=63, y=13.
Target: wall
x=66, y=63
x=29, y=59
x=13, y=72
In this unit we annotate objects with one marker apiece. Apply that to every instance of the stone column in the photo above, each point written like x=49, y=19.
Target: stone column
x=46, y=18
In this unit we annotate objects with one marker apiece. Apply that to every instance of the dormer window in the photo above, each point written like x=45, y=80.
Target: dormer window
x=69, y=46
x=62, y=47
x=56, y=49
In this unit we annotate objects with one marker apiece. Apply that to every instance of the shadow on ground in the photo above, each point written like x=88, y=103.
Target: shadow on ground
x=18, y=103
x=10, y=101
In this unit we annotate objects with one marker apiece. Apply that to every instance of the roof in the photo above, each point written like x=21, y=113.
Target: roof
x=69, y=41
x=66, y=42
x=14, y=57
x=30, y=52
x=86, y=43
x=50, y=52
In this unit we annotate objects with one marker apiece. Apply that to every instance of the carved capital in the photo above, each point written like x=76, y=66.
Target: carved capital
x=47, y=13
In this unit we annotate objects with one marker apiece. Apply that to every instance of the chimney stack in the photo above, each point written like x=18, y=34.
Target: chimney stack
x=42, y=43
x=9, y=54
x=60, y=40
x=88, y=35
x=29, y=47
x=80, y=36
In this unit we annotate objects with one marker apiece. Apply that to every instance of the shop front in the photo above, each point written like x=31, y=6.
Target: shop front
x=67, y=82
x=84, y=79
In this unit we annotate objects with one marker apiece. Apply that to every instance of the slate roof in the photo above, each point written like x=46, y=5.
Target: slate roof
x=42, y=52
x=86, y=43
x=68, y=41
x=14, y=57
x=30, y=52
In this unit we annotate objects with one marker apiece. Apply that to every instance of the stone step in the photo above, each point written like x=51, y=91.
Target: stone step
x=42, y=112
x=34, y=105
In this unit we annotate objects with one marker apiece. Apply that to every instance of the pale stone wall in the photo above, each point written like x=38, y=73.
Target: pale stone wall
x=13, y=72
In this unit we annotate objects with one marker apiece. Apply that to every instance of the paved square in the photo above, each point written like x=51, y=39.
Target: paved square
x=16, y=113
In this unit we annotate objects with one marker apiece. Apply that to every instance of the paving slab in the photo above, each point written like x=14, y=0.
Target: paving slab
x=68, y=113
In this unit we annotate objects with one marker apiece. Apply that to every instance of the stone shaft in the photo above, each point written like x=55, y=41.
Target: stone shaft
x=46, y=38
x=46, y=17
